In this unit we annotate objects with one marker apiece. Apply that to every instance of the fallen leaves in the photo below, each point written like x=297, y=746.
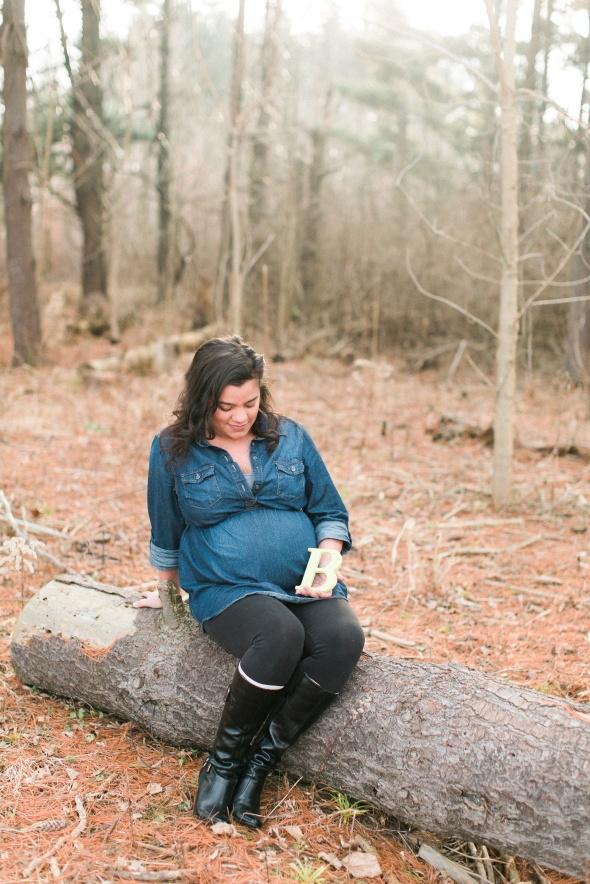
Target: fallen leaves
x=224, y=829
x=362, y=865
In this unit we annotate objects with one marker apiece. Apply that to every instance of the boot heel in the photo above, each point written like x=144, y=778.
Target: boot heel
x=215, y=795
x=246, y=803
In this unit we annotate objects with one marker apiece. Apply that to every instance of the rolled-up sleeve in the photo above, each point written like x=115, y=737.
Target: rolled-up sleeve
x=334, y=531
x=166, y=520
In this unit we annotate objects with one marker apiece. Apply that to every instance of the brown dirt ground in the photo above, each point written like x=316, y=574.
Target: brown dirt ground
x=433, y=563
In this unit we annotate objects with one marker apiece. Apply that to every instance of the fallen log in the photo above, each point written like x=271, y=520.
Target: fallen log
x=443, y=748
x=154, y=357
x=447, y=428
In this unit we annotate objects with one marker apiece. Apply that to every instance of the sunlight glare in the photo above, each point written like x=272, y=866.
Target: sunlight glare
x=442, y=17
x=436, y=16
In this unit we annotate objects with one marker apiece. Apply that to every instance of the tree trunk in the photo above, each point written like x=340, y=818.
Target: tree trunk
x=529, y=129
x=289, y=261
x=44, y=214
x=548, y=40
x=441, y=747
x=163, y=138
x=228, y=249
x=259, y=209
x=87, y=150
x=236, y=279
x=24, y=309
x=508, y=320
x=309, y=258
x=577, y=348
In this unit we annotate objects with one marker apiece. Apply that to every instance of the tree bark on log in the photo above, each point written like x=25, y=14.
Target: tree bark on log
x=441, y=747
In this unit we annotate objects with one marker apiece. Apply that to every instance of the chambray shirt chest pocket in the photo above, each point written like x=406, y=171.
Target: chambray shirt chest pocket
x=290, y=476
x=198, y=489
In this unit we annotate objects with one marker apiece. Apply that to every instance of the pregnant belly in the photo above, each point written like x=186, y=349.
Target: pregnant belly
x=259, y=547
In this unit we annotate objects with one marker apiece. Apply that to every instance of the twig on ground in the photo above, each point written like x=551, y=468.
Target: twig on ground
x=81, y=524
x=541, y=593
x=488, y=864
x=511, y=872
x=459, y=507
x=409, y=524
x=32, y=543
x=481, y=375
x=477, y=523
x=40, y=861
x=33, y=528
x=472, y=551
x=442, y=864
x=456, y=360
x=543, y=614
x=384, y=636
x=170, y=875
x=477, y=860
x=283, y=799
x=528, y=542
x=135, y=489
x=111, y=828
x=491, y=551
x=413, y=564
x=360, y=575
x=541, y=877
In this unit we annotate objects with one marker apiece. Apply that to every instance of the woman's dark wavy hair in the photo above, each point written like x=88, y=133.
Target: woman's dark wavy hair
x=217, y=363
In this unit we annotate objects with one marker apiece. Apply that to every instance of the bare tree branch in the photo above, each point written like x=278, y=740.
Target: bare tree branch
x=414, y=34
x=446, y=301
x=556, y=272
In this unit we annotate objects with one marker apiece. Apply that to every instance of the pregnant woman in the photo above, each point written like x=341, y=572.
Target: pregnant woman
x=237, y=496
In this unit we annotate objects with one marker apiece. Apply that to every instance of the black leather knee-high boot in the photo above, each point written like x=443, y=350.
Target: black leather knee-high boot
x=243, y=714
x=299, y=709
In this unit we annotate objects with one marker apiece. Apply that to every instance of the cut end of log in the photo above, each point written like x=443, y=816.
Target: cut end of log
x=71, y=610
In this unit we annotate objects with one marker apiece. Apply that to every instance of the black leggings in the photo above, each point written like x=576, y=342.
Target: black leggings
x=272, y=637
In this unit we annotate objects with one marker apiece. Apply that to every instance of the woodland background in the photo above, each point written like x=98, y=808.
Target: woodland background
x=175, y=161
x=337, y=196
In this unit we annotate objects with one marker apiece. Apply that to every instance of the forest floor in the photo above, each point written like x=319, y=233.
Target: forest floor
x=88, y=798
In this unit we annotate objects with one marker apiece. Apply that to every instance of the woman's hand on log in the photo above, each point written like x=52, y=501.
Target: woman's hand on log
x=151, y=599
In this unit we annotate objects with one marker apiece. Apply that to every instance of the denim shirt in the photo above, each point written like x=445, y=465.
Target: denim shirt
x=229, y=539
